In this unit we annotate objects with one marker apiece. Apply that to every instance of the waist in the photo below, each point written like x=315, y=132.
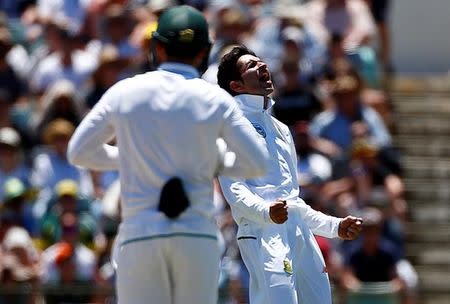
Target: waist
x=152, y=223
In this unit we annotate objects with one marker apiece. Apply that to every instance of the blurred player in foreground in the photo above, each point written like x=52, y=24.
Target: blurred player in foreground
x=166, y=124
x=281, y=253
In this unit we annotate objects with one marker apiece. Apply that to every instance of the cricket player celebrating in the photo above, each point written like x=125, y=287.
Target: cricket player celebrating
x=281, y=254
x=166, y=124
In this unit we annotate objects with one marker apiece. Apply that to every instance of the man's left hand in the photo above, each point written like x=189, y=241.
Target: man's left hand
x=350, y=227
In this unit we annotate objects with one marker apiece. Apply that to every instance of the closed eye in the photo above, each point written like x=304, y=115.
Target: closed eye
x=252, y=64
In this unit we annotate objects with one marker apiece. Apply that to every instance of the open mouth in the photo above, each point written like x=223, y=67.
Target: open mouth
x=264, y=77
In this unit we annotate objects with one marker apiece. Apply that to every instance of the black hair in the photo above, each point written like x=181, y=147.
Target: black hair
x=228, y=70
x=181, y=51
x=178, y=53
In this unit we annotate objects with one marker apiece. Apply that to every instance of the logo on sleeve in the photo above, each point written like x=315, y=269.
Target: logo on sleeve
x=259, y=129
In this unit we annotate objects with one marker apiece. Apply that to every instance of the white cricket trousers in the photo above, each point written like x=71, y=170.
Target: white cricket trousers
x=170, y=269
x=309, y=282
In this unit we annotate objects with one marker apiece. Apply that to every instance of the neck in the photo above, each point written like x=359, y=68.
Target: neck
x=266, y=102
x=253, y=102
x=181, y=60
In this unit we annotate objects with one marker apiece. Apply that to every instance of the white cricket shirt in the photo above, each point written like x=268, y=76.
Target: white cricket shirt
x=166, y=123
x=250, y=199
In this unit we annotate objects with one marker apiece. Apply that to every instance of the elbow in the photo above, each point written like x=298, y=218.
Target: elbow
x=73, y=154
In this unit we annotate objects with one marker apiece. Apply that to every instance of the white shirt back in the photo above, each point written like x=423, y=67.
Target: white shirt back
x=166, y=124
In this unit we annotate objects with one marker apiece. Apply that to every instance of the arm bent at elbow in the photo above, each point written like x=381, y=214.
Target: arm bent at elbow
x=106, y=157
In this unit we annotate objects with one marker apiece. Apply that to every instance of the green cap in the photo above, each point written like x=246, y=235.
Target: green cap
x=183, y=26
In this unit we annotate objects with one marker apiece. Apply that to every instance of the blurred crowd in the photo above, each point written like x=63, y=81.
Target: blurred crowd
x=330, y=63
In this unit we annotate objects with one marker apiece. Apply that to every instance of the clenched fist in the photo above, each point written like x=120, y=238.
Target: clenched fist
x=278, y=212
x=350, y=227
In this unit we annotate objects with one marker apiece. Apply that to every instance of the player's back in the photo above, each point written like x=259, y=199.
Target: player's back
x=167, y=125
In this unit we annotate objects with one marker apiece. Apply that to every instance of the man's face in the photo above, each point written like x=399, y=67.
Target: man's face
x=255, y=75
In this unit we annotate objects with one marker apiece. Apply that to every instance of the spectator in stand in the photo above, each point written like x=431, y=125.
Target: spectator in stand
x=51, y=166
x=14, y=9
x=334, y=131
x=19, y=270
x=67, y=199
x=69, y=13
x=9, y=80
x=16, y=207
x=372, y=170
x=372, y=258
x=268, y=31
x=146, y=41
x=59, y=101
x=380, y=12
x=69, y=262
x=83, y=257
x=313, y=169
x=110, y=67
x=351, y=19
x=13, y=88
x=67, y=62
x=364, y=61
x=117, y=30
x=230, y=25
x=49, y=42
x=296, y=99
x=295, y=46
x=12, y=162
x=7, y=111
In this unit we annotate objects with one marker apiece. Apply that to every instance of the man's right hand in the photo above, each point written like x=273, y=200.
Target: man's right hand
x=278, y=212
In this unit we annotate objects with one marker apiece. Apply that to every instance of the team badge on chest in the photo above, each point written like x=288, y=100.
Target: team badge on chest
x=287, y=267
x=259, y=129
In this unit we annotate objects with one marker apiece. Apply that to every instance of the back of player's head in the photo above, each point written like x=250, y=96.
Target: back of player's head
x=183, y=31
x=228, y=70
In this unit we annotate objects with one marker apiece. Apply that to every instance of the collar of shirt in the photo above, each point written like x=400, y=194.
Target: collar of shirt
x=187, y=71
x=253, y=103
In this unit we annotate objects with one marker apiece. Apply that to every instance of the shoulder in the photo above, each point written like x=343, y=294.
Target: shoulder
x=130, y=85
x=209, y=87
x=139, y=79
x=211, y=93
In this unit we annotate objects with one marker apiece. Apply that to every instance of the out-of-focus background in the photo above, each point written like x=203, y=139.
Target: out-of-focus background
x=364, y=86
